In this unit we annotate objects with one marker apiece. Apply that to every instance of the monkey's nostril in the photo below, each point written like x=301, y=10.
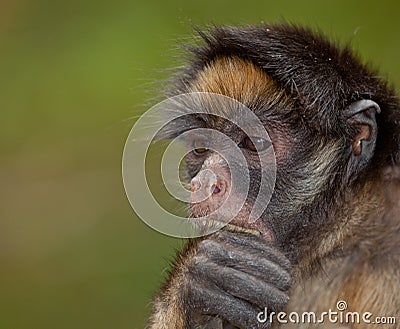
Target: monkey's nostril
x=215, y=189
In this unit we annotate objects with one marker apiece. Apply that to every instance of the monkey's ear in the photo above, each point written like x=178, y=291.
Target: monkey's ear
x=362, y=114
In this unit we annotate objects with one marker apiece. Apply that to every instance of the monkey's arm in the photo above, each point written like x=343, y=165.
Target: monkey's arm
x=168, y=305
x=167, y=310
x=230, y=276
x=170, y=308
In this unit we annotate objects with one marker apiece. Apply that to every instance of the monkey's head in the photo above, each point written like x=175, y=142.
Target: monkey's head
x=333, y=124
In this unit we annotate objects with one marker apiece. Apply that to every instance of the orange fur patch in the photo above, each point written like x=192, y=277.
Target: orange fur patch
x=236, y=78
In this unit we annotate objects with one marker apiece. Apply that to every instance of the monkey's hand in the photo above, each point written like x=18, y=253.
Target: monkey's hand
x=235, y=276
x=222, y=281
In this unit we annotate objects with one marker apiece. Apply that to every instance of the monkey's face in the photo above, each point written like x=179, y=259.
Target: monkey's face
x=216, y=173
x=275, y=157
x=313, y=165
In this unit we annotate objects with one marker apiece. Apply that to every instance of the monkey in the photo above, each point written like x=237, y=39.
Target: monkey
x=331, y=231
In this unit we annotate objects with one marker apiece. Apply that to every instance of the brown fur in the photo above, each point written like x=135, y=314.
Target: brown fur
x=368, y=272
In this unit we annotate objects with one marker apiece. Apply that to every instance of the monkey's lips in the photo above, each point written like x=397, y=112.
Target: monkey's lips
x=256, y=228
x=239, y=223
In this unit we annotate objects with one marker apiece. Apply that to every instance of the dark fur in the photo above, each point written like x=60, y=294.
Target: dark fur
x=351, y=227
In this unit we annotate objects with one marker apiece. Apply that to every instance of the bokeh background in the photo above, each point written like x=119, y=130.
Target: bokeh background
x=73, y=76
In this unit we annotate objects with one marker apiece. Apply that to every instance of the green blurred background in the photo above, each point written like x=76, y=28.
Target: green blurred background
x=73, y=74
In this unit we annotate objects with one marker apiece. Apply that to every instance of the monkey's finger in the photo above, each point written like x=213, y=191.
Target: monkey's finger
x=250, y=242
x=260, y=267
x=214, y=301
x=239, y=284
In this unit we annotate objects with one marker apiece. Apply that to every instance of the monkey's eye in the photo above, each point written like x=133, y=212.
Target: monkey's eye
x=255, y=144
x=199, y=147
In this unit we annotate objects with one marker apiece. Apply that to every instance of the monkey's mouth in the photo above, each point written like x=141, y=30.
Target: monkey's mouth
x=235, y=228
x=256, y=228
x=240, y=223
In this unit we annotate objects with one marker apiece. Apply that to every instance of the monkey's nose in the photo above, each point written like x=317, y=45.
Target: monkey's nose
x=215, y=189
x=208, y=183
